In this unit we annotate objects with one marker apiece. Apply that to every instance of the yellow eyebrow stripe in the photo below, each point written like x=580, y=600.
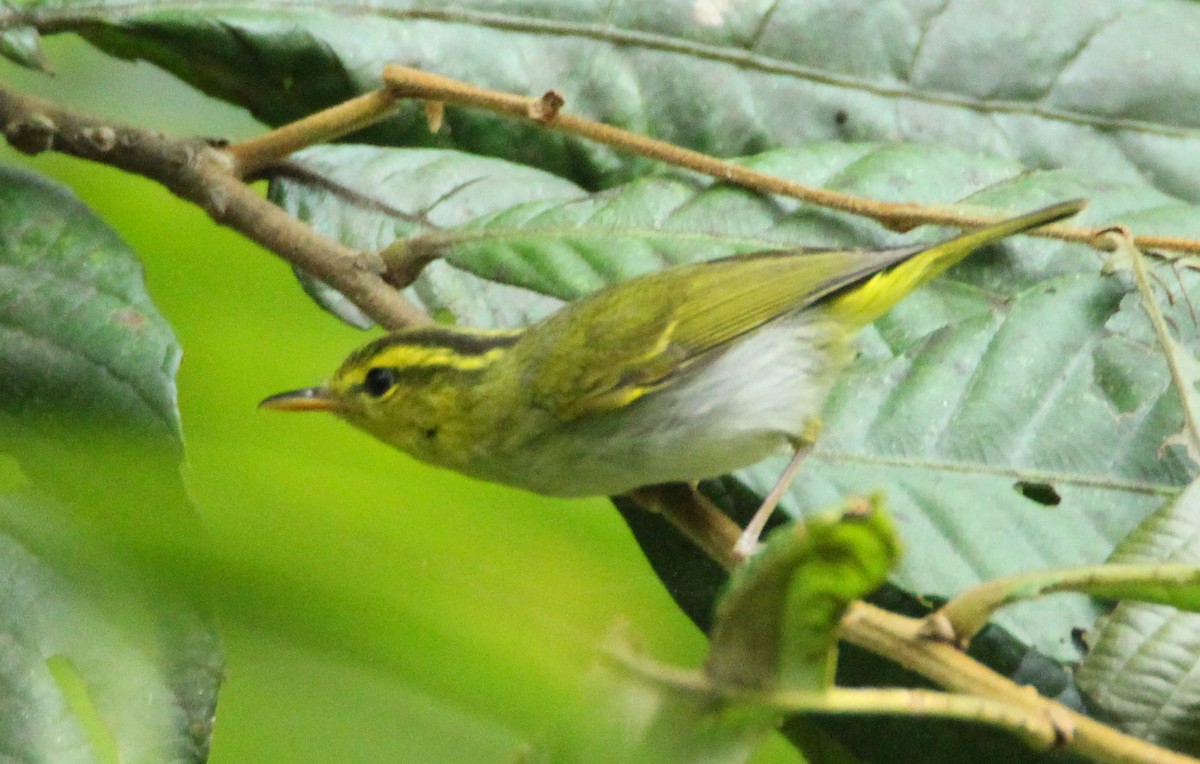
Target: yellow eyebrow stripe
x=417, y=356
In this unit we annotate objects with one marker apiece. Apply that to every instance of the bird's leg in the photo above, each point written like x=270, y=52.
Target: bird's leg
x=747, y=543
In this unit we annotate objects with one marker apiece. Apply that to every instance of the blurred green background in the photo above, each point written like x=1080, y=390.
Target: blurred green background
x=373, y=609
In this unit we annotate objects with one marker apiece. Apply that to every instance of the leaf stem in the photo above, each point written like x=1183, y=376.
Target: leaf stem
x=967, y=613
x=1039, y=732
x=1177, y=356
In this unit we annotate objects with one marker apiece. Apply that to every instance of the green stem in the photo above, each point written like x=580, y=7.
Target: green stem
x=1128, y=244
x=1038, y=731
x=970, y=611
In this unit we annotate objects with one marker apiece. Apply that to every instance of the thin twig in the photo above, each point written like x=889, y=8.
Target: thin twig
x=695, y=517
x=414, y=83
x=1039, y=731
x=208, y=177
x=1173, y=353
x=968, y=612
x=253, y=155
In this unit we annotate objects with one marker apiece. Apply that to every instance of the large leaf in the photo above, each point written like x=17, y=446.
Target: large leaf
x=82, y=344
x=1078, y=383
x=1107, y=89
x=568, y=247
x=1142, y=670
x=1013, y=413
x=99, y=660
x=103, y=657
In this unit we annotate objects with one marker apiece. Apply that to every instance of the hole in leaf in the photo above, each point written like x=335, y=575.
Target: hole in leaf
x=1081, y=640
x=1042, y=493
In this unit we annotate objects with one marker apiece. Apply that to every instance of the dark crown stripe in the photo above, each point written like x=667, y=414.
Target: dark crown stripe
x=464, y=342
x=461, y=341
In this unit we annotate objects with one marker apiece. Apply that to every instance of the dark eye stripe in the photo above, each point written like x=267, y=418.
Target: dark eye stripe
x=412, y=375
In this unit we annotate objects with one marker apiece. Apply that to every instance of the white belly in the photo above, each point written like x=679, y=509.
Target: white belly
x=752, y=400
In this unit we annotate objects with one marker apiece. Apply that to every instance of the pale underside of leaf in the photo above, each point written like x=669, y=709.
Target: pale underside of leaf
x=1107, y=89
x=94, y=658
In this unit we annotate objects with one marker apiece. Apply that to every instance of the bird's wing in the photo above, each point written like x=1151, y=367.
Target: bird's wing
x=608, y=350
x=611, y=348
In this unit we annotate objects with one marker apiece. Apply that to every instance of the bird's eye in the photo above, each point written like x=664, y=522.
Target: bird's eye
x=379, y=380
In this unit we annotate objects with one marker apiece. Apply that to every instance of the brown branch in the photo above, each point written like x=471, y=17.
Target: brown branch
x=209, y=177
x=695, y=517
x=900, y=639
x=253, y=155
x=544, y=110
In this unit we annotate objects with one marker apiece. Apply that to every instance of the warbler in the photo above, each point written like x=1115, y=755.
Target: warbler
x=679, y=375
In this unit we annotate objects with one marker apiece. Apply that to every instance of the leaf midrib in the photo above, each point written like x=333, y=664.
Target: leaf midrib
x=467, y=236
x=979, y=468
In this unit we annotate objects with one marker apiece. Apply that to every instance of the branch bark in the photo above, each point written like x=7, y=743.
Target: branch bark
x=206, y=175
x=545, y=110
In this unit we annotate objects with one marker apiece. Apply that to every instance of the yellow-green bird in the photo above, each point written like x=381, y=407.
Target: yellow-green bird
x=679, y=375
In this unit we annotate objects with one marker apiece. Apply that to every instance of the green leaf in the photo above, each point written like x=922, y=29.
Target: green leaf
x=776, y=621
x=1141, y=670
x=81, y=333
x=1012, y=412
x=1106, y=90
x=82, y=344
x=976, y=406
x=100, y=659
x=394, y=194
x=105, y=655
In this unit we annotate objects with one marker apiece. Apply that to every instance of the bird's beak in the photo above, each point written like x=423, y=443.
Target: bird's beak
x=308, y=399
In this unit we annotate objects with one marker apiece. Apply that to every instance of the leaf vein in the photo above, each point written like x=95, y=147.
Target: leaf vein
x=1015, y=473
